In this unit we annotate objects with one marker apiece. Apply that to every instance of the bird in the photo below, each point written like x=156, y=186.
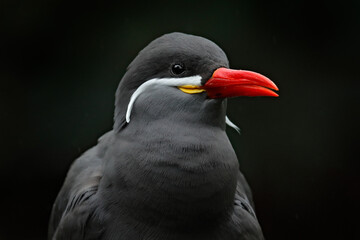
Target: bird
x=167, y=169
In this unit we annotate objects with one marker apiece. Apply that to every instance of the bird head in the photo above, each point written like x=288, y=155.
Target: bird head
x=177, y=71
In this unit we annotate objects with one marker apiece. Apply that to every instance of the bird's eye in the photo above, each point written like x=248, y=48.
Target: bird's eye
x=177, y=69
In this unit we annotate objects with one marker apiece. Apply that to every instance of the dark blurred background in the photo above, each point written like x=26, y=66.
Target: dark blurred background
x=61, y=63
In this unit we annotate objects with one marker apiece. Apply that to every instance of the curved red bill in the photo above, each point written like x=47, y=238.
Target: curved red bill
x=226, y=83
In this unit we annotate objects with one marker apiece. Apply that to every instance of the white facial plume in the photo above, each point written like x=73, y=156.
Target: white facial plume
x=171, y=82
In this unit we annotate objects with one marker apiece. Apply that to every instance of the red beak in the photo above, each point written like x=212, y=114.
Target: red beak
x=226, y=83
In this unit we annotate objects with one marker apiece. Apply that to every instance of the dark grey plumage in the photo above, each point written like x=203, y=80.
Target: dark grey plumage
x=171, y=173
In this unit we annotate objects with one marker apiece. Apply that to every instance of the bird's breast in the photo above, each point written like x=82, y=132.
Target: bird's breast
x=185, y=175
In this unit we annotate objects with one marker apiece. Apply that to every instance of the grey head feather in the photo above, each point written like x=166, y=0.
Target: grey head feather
x=200, y=55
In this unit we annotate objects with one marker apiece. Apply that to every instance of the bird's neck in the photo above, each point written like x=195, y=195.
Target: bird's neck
x=182, y=171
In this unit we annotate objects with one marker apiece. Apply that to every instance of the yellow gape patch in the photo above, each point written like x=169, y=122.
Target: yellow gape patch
x=191, y=89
